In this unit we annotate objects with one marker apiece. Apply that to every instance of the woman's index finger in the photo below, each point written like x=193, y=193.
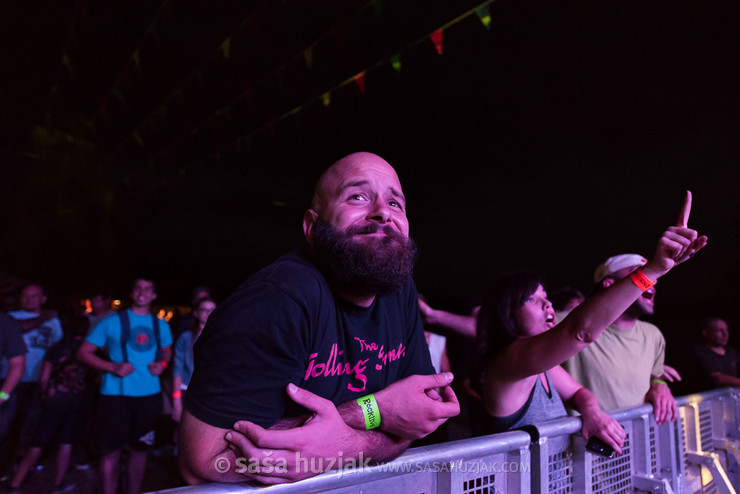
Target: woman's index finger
x=683, y=218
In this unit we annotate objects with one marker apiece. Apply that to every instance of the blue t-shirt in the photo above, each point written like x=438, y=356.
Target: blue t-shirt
x=141, y=349
x=183, y=360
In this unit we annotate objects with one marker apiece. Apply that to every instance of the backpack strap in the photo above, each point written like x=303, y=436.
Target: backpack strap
x=155, y=326
x=125, y=331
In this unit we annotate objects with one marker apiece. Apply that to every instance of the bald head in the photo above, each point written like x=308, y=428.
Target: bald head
x=358, y=189
x=352, y=164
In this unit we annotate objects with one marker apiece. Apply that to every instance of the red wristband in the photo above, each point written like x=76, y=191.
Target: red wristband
x=177, y=394
x=164, y=364
x=640, y=280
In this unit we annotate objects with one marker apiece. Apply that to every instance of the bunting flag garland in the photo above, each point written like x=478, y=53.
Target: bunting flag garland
x=396, y=62
x=277, y=76
x=360, y=80
x=484, y=14
x=436, y=38
x=226, y=48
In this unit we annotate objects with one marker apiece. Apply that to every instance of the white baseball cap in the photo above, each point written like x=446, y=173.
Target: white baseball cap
x=616, y=263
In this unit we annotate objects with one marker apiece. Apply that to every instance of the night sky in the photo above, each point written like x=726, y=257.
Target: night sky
x=564, y=134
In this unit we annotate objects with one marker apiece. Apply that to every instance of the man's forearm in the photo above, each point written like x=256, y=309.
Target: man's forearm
x=16, y=367
x=92, y=360
x=379, y=446
x=725, y=379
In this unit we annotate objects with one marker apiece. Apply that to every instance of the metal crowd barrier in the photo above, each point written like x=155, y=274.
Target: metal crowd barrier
x=699, y=453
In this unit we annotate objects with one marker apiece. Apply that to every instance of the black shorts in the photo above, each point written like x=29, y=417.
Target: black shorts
x=126, y=421
x=63, y=417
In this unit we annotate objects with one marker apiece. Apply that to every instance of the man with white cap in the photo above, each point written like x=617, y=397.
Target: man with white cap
x=622, y=367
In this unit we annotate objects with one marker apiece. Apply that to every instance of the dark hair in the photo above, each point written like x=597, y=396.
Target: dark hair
x=560, y=297
x=200, y=289
x=75, y=325
x=144, y=277
x=201, y=300
x=102, y=289
x=496, y=326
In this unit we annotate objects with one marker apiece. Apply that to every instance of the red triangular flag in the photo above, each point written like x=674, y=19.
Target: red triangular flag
x=436, y=38
x=360, y=80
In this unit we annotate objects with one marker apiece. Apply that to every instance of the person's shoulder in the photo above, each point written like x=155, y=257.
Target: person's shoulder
x=184, y=338
x=20, y=315
x=8, y=323
x=648, y=328
x=293, y=273
x=107, y=322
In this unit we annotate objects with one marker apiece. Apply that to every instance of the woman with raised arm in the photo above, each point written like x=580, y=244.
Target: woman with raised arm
x=521, y=348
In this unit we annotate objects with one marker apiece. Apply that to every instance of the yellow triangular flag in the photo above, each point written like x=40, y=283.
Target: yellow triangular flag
x=226, y=47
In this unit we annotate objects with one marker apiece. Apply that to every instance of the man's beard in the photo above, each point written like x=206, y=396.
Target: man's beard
x=373, y=266
x=637, y=309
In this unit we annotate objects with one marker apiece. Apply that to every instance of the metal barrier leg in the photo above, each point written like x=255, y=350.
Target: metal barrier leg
x=711, y=462
x=651, y=484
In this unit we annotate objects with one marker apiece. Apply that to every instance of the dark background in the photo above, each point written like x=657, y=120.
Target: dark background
x=564, y=134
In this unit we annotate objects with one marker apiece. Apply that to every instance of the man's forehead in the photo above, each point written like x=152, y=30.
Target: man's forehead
x=33, y=290
x=360, y=169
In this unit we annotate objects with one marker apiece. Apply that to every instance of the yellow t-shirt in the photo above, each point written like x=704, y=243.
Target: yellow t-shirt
x=617, y=367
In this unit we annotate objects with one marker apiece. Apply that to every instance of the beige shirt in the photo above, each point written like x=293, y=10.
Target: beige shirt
x=617, y=367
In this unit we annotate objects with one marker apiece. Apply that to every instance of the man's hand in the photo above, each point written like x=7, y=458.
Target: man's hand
x=412, y=408
x=669, y=374
x=155, y=368
x=664, y=406
x=123, y=369
x=272, y=455
x=721, y=379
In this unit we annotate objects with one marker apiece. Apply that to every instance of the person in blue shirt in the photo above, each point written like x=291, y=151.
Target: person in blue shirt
x=130, y=401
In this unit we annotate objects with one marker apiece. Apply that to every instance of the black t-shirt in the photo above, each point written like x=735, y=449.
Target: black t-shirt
x=284, y=325
x=11, y=338
x=709, y=362
x=68, y=376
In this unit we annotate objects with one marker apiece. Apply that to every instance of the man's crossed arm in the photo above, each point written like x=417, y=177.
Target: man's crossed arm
x=409, y=409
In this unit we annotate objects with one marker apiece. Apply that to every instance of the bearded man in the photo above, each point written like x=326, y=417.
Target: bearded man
x=320, y=358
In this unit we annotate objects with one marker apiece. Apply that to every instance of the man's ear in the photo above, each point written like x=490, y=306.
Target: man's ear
x=607, y=282
x=309, y=222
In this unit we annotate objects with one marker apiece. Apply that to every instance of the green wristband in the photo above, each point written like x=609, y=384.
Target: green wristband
x=660, y=381
x=4, y=396
x=370, y=411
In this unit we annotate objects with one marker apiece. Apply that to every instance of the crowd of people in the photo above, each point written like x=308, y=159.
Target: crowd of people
x=331, y=354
